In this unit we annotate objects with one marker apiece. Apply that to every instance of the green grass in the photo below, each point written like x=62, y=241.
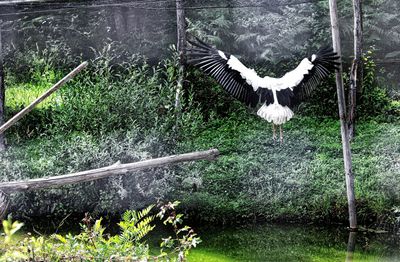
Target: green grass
x=301, y=179
x=203, y=255
x=22, y=95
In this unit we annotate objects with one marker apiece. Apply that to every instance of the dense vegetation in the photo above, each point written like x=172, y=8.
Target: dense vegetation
x=125, y=112
x=122, y=108
x=95, y=244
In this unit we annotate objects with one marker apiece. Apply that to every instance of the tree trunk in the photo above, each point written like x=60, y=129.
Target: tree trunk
x=2, y=94
x=356, y=73
x=342, y=115
x=181, y=45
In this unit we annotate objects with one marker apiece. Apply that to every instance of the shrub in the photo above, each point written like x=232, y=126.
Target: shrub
x=374, y=100
x=93, y=244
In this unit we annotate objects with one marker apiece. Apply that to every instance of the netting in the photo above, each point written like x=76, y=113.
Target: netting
x=257, y=31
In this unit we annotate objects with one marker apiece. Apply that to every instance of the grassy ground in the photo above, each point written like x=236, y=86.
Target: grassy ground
x=303, y=178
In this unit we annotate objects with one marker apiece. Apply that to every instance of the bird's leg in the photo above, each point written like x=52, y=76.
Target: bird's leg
x=281, y=133
x=274, y=132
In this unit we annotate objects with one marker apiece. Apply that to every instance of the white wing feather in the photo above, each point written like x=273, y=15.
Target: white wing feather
x=248, y=74
x=289, y=80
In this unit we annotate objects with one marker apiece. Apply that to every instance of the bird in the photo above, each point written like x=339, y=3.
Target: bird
x=277, y=96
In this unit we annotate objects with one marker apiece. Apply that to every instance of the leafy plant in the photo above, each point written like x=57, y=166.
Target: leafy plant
x=185, y=238
x=92, y=244
x=374, y=100
x=10, y=228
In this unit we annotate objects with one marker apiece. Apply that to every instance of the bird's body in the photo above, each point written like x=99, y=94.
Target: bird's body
x=276, y=95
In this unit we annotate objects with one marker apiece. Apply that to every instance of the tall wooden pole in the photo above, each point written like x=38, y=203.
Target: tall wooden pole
x=181, y=45
x=356, y=73
x=2, y=93
x=351, y=246
x=342, y=114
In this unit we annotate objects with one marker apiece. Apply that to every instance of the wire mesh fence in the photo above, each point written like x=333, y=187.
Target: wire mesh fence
x=258, y=31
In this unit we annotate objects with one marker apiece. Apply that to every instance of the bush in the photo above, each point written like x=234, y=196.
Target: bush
x=93, y=244
x=104, y=98
x=106, y=114
x=82, y=151
x=374, y=100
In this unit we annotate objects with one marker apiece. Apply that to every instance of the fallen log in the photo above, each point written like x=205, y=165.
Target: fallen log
x=94, y=174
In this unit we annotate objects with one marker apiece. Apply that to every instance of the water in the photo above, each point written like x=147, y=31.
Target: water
x=294, y=243
x=286, y=243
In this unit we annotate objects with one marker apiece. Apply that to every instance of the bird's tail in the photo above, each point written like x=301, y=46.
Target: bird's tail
x=275, y=113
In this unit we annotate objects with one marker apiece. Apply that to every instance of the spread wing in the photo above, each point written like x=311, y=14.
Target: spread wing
x=324, y=62
x=244, y=83
x=238, y=80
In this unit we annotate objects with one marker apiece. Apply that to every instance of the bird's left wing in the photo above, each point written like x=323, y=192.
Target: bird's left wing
x=238, y=80
x=307, y=75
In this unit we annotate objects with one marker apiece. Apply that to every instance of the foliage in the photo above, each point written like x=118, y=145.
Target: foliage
x=93, y=244
x=108, y=113
x=125, y=112
x=185, y=238
x=72, y=35
x=374, y=100
x=105, y=97
x=10, y=228
x=82, y=151
x=300, y=180
x=270, y=34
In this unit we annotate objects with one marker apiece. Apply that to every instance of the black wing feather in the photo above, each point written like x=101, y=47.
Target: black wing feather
x=324, y=64
x=210, y=61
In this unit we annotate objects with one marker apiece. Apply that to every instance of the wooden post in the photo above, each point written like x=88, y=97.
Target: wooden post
x=342, y=114
x=351, y=246
x=356, y=68
x=2, y=92
x=94, y=174
x=181, y=45
x=29, y=108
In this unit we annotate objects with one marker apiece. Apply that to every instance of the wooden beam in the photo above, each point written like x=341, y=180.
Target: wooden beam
x=95, y=174
x=342, y=115
x=29, y=108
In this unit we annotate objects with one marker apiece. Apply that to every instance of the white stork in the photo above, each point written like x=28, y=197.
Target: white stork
x=277, y=95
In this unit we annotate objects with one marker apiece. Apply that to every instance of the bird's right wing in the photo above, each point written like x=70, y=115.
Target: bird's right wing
x=238, y=80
